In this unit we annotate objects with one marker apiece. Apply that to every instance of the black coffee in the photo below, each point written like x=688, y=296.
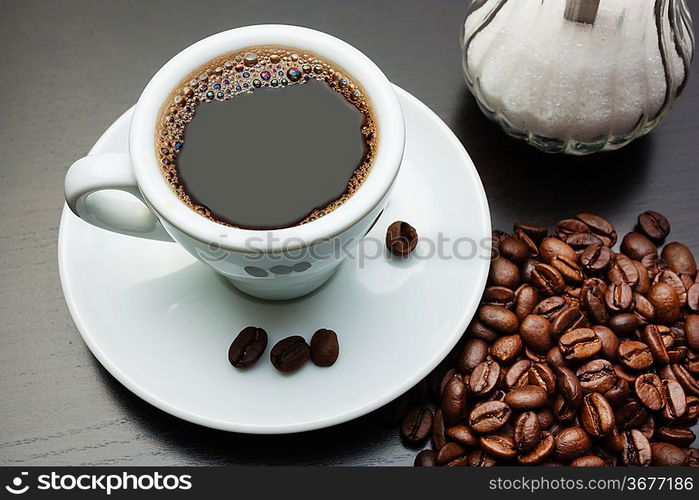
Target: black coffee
x=266, y=138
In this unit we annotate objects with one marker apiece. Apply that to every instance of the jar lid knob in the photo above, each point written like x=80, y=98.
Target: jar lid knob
x=582, y=11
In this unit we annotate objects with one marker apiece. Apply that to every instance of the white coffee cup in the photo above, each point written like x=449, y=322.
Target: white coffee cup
x=270, y=264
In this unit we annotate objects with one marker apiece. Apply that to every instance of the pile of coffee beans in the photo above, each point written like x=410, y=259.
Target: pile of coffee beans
x=578, y=355
x=287, y=355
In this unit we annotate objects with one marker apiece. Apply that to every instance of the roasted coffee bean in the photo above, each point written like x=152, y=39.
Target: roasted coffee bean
x=637, y=451
x=449, y=452
x=580, y=241
x=631, y=414
x=596, y=258
x=526, y=299
x=504, y=272
x=597, y=375
x=668, y=455
x=498, y=296
x=555, y=358
x=550, y=307
x=623, y=270
x=625, y=324
x=693, y=297
x=541, y=375
x=526, y=397
x=416, y=426
x=547, y=280
x=674, y=280
x=566, y=227
x=478, y=330
x=619, y=297
x=463, y=435
x=477, y=458
x=649, y=389
x=691, y=416
x=533, y=356
x=643, y=307
x=636, y=246
x=324, y=347
x=247, y=347
x=594, y=305
x=691, y=330
x=679, y=258
x=498, y=318
x=644, y=281
x=650, y=334
x=569, y=269
x=518, y=374
x=485, y=377
x=648, y=427
x=551, y=247
x=569, y=386
x=507, y=348
x=571, y=443
x=588, y=461
x=654, y=225
x=654, y=264
x=514, y=249
x=473, y=352
x=610, y=342
x=597, y=415
x=686, y=380
x=674, y=400
x=563, y=411
x=531, y=244
x=543, y=450
x=579, y=344
x=489, y=416
x=619, y=393
x=526, y=269
x=679, y=436
x=401, y=238
x=439, y=438
x=454, y=400
x=424, y=459
x=634, y=355
x=570, y=319
x=500, y=445
x=536, y=333
x=527, y=432
x=290, y=354
x=535, y=231
x=599, y=226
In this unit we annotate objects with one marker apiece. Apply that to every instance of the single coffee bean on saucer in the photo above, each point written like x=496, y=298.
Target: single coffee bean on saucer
x=247, y=347
x=290, y=354
x=324, y=347
x=401, y=238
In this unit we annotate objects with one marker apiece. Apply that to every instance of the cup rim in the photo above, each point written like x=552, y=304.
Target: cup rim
x=166, y=204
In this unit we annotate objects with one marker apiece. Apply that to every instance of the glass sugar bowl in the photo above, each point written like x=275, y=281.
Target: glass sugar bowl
x=577, y=76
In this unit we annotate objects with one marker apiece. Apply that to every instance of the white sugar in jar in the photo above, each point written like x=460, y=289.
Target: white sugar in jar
x=577, y=76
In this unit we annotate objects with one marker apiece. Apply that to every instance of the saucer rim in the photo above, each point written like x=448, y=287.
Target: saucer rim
x=307, y=424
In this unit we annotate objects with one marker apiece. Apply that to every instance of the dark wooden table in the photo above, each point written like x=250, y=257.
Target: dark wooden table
x=70, y=68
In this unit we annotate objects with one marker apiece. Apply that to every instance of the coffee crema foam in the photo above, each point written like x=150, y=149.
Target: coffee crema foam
x=242, y=72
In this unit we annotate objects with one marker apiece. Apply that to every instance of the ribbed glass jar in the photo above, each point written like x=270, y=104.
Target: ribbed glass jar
x=577, y=76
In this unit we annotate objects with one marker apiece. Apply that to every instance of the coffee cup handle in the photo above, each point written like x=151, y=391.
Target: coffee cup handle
x=116, y=203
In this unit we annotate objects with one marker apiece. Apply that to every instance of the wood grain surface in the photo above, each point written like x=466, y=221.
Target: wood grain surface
x=70, y=68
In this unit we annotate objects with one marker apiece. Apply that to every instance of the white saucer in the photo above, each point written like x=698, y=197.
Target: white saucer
x=161, y=322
